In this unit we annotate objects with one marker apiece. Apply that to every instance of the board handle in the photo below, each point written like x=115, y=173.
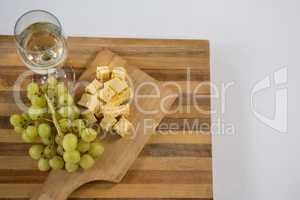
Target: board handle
x=59, y=185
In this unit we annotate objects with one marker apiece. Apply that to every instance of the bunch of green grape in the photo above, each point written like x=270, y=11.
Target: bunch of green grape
x=54, y=119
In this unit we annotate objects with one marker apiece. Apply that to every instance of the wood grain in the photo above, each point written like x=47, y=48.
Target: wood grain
x=176, y=163
x=142, y=163
x=106, y=190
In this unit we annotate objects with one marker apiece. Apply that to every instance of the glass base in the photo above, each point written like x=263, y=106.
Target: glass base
x=64, y=74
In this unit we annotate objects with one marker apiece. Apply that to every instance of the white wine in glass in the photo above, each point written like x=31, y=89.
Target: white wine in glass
x=41, y=44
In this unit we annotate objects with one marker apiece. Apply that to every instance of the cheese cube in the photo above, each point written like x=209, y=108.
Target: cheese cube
x=103, y=73
x=85, y=98
x=116, y=84
x=120, y=98
x=99, y=111
x=95, y=105
x=107, y=122
x=123, y=127
x=116, y=110
x=89, y=117
x=106, y=94
x=94, y=86
x=89, y=101
x=118, y=72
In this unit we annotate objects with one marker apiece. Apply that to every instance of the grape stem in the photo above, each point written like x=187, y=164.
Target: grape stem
x=53, y=113
x=48, y=120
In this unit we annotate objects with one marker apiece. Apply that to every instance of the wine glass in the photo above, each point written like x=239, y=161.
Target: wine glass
x=41, y=45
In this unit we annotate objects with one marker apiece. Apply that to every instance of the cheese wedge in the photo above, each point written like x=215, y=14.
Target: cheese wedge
x=89, y=101
x=94, y=86
x=103, y=73
x=89, y=117
x=85, y=98
x=107, y=122
x=116, y=110
x=99, y=111
x=95, y=105
x=120, y=98
x=116, y=84
x=123, y=127
x=118, y=72
x=106, y=94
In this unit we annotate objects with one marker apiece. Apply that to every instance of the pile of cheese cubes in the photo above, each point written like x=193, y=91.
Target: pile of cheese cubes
x=107, y=100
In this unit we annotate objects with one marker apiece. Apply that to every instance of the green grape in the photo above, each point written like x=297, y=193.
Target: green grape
x=60, y=150
x=46, y=141
x=44, y=88
x=83, y=146
x=36, y=151
x=86, y=161
x=66, y=112
x=59, y=139
x=78, y=125
x=26, y=138
x=36, y=113
x=16, y=120
x=29, y=95
x=72, y=156
x=56, y=162
x=19, y=129
x=96, y=149
x=65, y=100
x=33, y=88
x=26, y=118
x=52, y=93
x=70, y=112
x=49, y=151
x=38, y=101
x=61, y=89
x=76, y=112
x=43, y=164
x=65, y=125
x=51, y=81
x=71, y=167
x=67, y=152
x=88, y=134
x=70, y=142
x=31, y=132
x=44, y=130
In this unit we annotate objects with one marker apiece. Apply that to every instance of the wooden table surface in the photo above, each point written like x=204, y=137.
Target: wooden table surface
x=175, y=164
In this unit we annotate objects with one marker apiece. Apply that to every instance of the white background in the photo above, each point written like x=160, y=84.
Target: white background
x=249, y=40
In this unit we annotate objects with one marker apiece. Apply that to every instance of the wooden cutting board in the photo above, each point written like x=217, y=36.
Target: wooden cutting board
x=176, y=162
x=120, y=153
